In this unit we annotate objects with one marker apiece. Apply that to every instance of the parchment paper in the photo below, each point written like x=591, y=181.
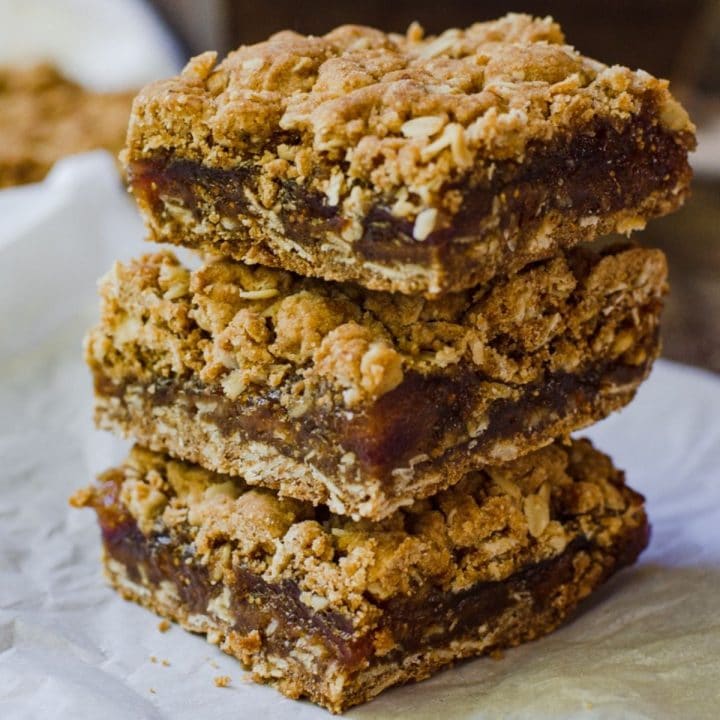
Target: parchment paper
x=648, y=646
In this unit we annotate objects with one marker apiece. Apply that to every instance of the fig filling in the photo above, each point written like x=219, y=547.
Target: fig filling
x=598, y=170
x=427, y=619
x=422, y=415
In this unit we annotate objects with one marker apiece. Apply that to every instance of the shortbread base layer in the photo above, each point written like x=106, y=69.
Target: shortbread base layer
x=186, y=429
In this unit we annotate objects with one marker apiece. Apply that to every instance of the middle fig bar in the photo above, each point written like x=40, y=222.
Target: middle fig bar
x=366, y=401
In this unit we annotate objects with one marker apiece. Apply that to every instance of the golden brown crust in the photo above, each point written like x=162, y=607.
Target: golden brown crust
x=44, y=116
x=358, y=122
x=486, y=528
x=402, y=111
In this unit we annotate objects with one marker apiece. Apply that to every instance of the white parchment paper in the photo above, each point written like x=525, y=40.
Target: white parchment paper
x=647, y=646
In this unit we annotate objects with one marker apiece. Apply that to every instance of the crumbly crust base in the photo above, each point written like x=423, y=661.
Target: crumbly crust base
x=44, y=116
x=475, y=261
x=358, y=122
x=182, y=431
x=552, y=526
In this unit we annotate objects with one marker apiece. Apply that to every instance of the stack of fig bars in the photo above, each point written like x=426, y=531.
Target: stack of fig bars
x=353, y=464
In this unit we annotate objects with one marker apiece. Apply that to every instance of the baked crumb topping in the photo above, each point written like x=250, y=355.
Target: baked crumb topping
x=251, y=329
x=357, y=114
x=485, y=528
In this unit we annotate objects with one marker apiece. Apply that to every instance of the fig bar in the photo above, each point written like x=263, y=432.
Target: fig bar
x=409, y=164
x=364, y=400
x=336, y=610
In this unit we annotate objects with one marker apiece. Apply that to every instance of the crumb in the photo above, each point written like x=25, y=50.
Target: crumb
x=165, y=663
x=153, y=659
x=163, y=626
x=153, y=691
x=497, y=654
x=214, y=664
x=222, y=681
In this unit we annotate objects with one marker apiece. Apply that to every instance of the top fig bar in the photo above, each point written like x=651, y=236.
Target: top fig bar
x=405, y=163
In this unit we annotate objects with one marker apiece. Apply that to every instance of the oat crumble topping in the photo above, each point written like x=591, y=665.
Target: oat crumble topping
x=357, y=113
x=250, y=329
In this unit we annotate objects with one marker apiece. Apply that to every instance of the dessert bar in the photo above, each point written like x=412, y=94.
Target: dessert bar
x=336, y=610
x=363, y=400
x=410, y=164
x=44, y=116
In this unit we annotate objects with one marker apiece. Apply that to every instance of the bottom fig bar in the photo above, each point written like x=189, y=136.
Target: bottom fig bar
x=337, y=610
